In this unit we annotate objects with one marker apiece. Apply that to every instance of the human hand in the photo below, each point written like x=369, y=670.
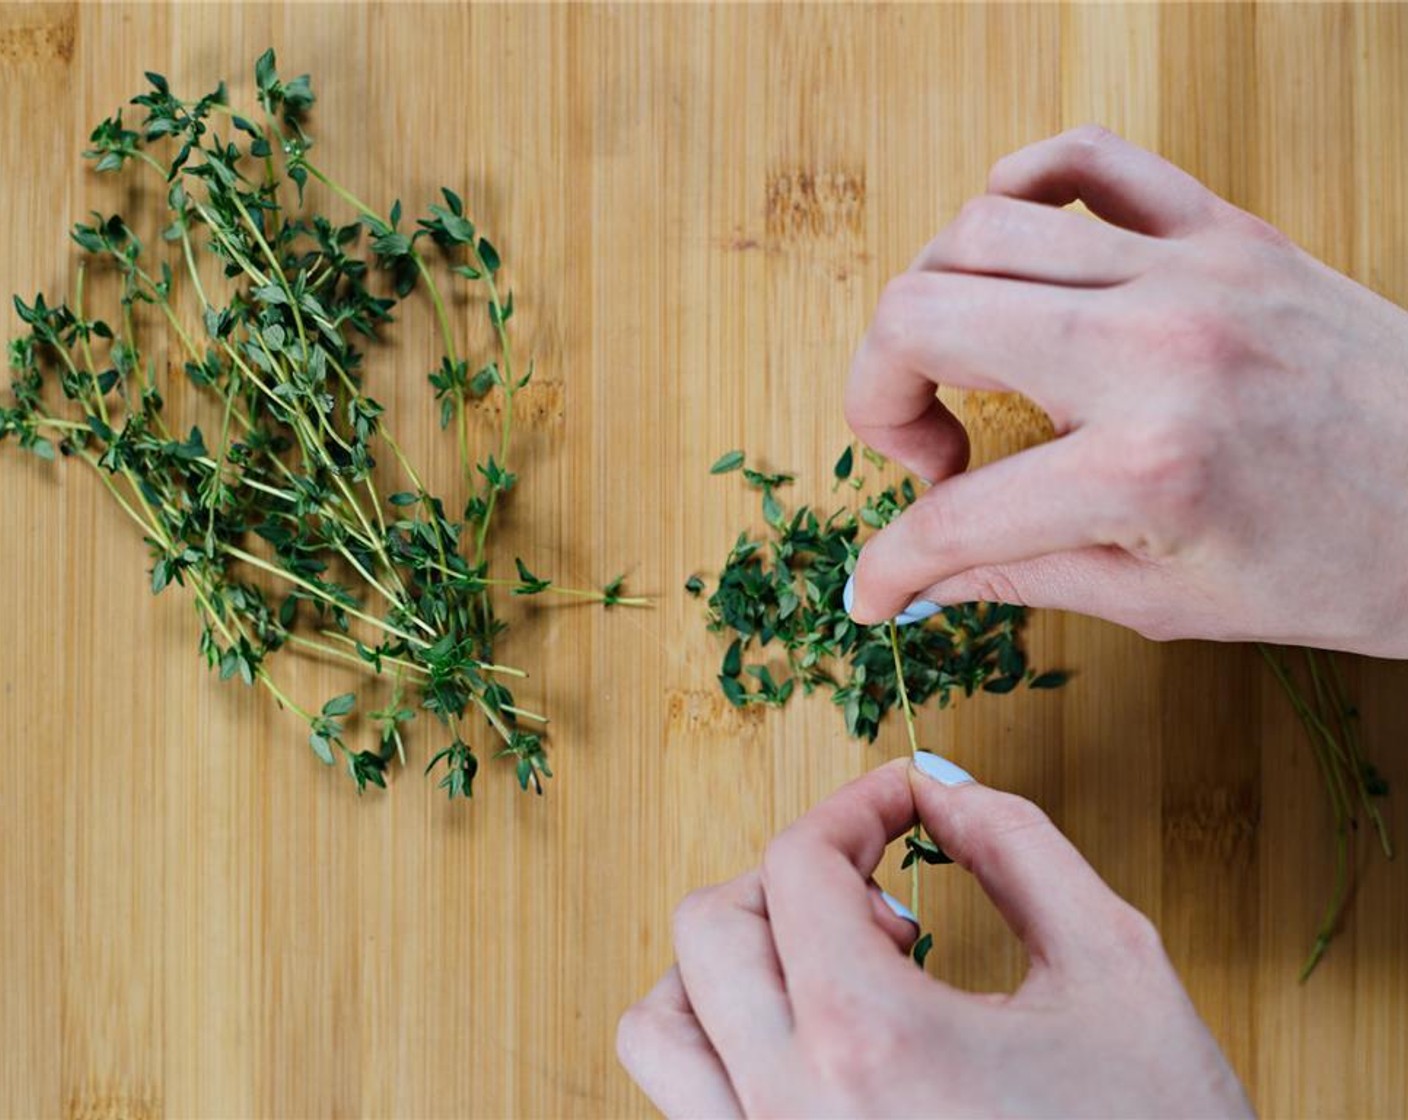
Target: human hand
x=1232, y=415
x=793, y=994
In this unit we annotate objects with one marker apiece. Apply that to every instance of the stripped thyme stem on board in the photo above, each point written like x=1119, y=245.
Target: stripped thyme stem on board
x=1352, y=784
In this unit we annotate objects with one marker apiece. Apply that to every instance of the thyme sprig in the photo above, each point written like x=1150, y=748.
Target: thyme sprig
x=277, y=525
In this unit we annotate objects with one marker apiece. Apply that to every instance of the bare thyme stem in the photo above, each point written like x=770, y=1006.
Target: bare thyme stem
x=913, y=750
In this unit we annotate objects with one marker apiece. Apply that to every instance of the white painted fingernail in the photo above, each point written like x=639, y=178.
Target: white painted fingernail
x=940, y=769
x=898, y=907
x=917, y=611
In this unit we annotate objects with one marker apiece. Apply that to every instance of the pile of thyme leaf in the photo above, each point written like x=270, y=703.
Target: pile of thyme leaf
x=784, y=592
x=277, y=522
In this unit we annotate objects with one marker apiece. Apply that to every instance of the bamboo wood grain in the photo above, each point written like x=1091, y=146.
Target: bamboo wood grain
x=699, y=207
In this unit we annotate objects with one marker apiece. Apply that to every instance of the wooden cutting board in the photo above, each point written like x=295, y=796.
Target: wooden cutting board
x=698, y=207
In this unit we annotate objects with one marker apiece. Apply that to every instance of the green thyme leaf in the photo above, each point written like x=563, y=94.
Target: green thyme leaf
x=735, y=692
x=322, y=747
x=340, y=705
x=730, y=461
x=923, y=850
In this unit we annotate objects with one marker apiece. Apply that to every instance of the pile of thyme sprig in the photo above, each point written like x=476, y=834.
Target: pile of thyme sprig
x=277, y=523
x=1352, y=783
x=786, y=591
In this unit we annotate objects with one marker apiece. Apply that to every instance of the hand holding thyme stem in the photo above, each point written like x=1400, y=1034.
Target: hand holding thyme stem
x=298, y=434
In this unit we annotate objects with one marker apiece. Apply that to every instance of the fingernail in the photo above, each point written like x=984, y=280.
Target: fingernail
x=898, y=907
x=940, y=769
x=917, y=611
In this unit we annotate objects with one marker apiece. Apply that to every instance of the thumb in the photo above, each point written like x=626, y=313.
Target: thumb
x=1102, y=581
x=1065, y=915
x=1040, y=501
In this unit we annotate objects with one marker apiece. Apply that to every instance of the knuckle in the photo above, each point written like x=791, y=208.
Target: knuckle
x=1194, y=338
x=1242, y=254
x=1084, y=144
x=1010, y=814
x=1257, y=230
x=635, y=1027
x=901, y=302
x=1132, y=936
x=968, y=240
x=932, y=521
x=975, y=211
x=1165, y=622
x=693, y=910
x=985, y=838
x=1155, y=630
x=1091, y=139
x=995, y=585
x=1169, y=471
x=858, y=402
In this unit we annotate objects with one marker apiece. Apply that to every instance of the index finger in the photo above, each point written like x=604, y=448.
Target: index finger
x=1122, y=182
x=970, y=332
x=1041, y=501
x=816, y=883
x=1066, y=916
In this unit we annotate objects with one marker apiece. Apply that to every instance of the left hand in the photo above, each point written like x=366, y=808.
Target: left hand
x=793, y=994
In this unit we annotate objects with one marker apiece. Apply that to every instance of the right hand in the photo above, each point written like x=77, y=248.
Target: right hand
x=1232, y=415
